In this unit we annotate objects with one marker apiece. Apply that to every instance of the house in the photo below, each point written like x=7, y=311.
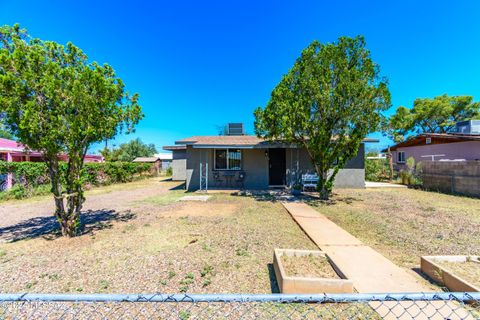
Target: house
x=461, y=145
x=160, y=161
x=237, y=160
x=179, y=162
x=12, y=151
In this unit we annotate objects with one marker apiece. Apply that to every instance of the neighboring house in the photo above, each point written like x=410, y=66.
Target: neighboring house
x=160, y=161
x=245, y=161
x=165, y=159
x=462, y=145
x=12, y=151
x=179, y=162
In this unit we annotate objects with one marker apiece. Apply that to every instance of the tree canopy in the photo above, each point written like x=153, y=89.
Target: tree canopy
x=328, y=102
x=129, y=151
x=56, y=101
x=436, y=115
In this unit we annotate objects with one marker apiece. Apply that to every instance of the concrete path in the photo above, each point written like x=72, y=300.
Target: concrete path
x=372, y=184
x=370, y=271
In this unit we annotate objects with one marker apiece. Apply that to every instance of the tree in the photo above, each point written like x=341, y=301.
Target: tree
x=328, y=102
x=437, y=115
x=129, y=151
x=56, y=102
x=3, y=129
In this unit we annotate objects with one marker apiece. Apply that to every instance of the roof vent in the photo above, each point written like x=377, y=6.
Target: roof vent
x=235, y=129
x=468, y=127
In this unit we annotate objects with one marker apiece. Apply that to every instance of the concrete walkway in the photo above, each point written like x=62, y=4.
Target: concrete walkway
x=372, y=184
x=370, y=271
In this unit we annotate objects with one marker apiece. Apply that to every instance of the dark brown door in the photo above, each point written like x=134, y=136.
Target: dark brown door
x=277, y=167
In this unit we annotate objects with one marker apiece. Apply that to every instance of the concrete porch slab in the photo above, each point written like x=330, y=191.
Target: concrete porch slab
x=194, y=198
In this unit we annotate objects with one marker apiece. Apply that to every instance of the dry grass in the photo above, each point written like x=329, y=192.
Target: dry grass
x=224, y=245
x=404, y=224
x=469, y=270
x=308, y=266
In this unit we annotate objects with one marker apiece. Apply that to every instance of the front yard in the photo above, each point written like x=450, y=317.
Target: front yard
x=223, y=245
x=144, y=240
x=404, y=224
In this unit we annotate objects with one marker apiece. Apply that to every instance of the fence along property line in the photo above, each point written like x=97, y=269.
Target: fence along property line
x=443, y=305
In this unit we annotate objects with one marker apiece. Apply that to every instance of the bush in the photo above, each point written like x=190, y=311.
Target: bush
x=169, y=171
x=376, y=170
x=411, y=176
x=31, y=178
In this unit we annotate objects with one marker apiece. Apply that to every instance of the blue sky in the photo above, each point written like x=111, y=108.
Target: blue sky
x=200, y=64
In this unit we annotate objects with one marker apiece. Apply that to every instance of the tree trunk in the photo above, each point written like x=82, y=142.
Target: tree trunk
x=69, y=219
x=322, y=186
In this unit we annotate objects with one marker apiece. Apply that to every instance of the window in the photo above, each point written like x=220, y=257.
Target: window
x=228, y=159
x=401, y=156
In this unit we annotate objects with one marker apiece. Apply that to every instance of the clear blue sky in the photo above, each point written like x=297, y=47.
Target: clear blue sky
x=201, y=64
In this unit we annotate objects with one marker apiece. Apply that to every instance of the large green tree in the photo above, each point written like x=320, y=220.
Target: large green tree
x=129, y=151
x=328, y=102
x=4, y=133
x=58, y=102
x=437, y=115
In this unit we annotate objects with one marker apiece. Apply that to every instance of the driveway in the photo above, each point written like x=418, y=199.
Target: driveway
x=114, y=198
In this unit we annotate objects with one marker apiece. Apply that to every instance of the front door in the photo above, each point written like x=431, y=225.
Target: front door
x=277, y=167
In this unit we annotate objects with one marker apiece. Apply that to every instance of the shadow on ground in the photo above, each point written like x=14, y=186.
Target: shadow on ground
x=48, y=227
x=273, y=279
x=181, y=186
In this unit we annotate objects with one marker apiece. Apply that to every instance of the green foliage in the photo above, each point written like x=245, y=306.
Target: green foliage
x=33, y=174
x=437, y=115
x=55, y=101
x=376, y=170
x=169, y=171
x=328, y=102
x=129, y=151
x=412, y=175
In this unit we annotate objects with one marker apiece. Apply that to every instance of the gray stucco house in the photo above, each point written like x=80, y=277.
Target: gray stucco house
x=245, y=161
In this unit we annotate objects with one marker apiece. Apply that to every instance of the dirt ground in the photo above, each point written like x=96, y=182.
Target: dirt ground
x=139, y=238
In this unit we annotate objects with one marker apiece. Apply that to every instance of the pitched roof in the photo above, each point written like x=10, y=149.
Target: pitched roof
x=245, y=140
x=234, y=141
x=164, y=156
x=436, y=138
x=173, y=148
x=145, y=159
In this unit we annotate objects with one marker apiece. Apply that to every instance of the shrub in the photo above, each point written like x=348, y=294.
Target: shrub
x=376, y=170
x=31, y=178
x=169, y=171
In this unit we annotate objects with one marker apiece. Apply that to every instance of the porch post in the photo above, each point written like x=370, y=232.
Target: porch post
x=9, y=175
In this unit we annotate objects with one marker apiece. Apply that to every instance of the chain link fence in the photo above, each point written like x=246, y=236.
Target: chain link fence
x=240, y=306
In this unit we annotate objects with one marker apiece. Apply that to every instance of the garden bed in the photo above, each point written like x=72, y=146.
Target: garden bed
x=457, y=273
x=308, y=271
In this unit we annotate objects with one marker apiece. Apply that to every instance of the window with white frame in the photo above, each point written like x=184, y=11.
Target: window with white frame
x=400, y=156
x=228, y=159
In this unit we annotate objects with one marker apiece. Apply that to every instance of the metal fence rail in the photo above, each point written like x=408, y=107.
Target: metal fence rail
x=241, y=306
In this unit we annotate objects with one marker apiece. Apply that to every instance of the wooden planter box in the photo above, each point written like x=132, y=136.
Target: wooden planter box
x=296, y=284
x=442, y=275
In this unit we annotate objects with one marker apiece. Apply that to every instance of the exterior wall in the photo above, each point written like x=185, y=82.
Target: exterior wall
x=468, y=150
x=179, y=165
x=254, y=164
x=352, y=176
x=255, y=167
